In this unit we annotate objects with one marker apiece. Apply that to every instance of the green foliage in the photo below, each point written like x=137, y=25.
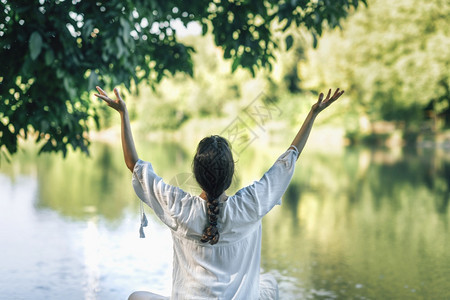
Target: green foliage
x=52, y=53
x=393, y=58
x=206, y=94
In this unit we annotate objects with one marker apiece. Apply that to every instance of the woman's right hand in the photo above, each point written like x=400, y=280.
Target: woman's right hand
x=117, y=104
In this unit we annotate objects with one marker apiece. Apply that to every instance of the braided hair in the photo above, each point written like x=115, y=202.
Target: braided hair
x=213, y=168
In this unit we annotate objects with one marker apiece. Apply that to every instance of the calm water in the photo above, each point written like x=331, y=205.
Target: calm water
x=354, y=224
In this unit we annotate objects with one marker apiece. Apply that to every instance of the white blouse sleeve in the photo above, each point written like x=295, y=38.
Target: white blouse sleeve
x=260, y=197
x=153, y=191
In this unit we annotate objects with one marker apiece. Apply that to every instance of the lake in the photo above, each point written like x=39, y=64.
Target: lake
x=354, y=224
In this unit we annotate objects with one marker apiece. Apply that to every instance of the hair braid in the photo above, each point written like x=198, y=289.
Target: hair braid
x=211, y=233
x=213, y=168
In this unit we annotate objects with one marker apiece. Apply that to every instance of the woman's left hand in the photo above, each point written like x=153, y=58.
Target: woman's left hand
x=321, y=103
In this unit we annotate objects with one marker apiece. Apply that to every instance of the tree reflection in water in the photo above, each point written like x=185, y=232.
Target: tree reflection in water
x=359, y=223
x=372, y=224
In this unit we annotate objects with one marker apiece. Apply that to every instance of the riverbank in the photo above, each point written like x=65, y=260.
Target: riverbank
x=275, y=133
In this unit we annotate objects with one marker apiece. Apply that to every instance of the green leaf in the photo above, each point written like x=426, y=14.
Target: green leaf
x=68, y=87
x=204, y=28
x=60, y=73
x=289, y=41
x=49, y=57
x=235, y=64
x=252, y=70
x=87, y=28
x=314, y=40
x=120, y=48
x=4, y=153
x=93, y=80
x=35, y=45
x=126, y=29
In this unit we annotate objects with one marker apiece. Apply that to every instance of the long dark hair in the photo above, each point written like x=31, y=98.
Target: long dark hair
x=213, y=168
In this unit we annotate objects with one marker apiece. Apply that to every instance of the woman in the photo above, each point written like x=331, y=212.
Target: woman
x=216, y=238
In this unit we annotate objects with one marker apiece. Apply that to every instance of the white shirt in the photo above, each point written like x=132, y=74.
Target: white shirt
x=229, y=269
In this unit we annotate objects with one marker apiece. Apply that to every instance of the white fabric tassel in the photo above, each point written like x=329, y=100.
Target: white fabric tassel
x=144, y=222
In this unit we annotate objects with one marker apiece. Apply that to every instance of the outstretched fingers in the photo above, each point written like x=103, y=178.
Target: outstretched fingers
x=99, y=89
x=116, y=91
x=104, y=98
x=335, y=96
x=326, y=101
x=320, y=98
x=102, y=95
x=328, y=95
x=322, y=103
x=117, y=103
x=337, y=93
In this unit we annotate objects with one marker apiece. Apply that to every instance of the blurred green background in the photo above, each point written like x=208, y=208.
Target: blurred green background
x=367, y=213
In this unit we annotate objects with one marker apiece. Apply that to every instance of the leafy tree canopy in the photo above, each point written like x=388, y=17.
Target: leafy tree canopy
x=393, y=57
x=53, y=52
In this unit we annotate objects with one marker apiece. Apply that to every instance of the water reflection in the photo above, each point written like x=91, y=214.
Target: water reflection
x=354, y=224
x=81, y=187
x=90, y=241
x=369, y=226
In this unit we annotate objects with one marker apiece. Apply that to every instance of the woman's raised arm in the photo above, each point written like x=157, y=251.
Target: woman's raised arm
x=128, y=147
x=302, y=136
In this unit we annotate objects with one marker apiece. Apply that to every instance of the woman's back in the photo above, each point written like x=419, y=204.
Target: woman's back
x=229, y=269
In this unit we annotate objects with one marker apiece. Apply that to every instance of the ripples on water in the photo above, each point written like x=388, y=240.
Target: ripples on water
x=355, y=224
x=49, y=256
